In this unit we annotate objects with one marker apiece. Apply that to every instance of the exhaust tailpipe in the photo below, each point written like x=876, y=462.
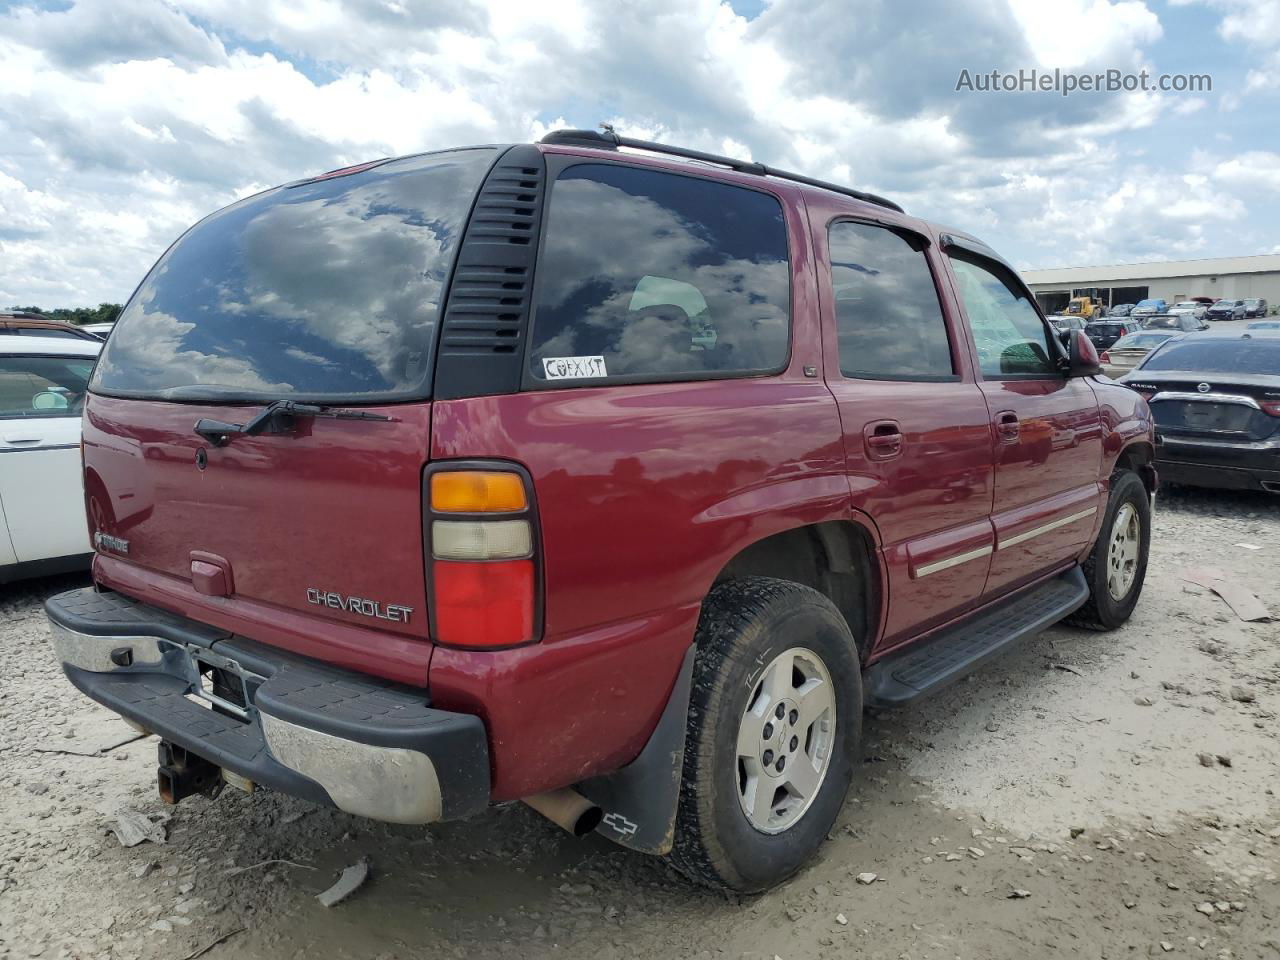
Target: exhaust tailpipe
x=568, y=809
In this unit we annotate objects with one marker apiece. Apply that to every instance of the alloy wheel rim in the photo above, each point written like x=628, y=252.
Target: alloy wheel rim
x=785, y=740
x=1122, y=554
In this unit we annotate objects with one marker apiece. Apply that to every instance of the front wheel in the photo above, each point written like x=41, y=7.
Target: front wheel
x=1117, y=565
x=775, y=718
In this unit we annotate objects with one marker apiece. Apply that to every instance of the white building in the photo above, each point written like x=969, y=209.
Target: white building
x=1234, y=278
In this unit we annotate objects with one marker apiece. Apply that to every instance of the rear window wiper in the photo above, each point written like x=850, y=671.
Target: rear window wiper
x=277, y=417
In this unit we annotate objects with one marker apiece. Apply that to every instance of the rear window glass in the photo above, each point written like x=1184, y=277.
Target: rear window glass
x=42, y=386
x=888, y=319
x=646, y=275
x=1255, y=355
x=328, y=290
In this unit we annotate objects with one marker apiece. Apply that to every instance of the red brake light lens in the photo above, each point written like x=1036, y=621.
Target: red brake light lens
x=1106, y=357
x=1272, y=407
x=487, y=604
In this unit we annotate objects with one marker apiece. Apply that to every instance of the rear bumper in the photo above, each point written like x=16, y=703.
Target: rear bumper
x=366, y=746
x=1211, y=463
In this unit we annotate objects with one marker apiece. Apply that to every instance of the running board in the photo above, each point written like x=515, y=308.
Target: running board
x=955, y=651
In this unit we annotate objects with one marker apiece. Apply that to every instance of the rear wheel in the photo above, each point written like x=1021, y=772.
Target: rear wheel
x=775, y=718
x=1117, y=565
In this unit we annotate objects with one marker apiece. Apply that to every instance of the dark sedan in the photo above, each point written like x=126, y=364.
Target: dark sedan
x=1256, y=307
x=1226, y=310
x=1216, y=402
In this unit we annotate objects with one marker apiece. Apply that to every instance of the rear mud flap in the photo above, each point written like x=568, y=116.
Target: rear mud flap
x=639, y=801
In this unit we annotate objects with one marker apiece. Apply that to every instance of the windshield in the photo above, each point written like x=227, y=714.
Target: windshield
x=1247, y=356
x=1171, y=322
x=327, y=290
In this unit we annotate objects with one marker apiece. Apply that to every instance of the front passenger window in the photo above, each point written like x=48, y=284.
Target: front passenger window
x=1011, y=339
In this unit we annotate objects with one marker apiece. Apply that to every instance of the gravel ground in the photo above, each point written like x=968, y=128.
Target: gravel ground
x=1055, y=804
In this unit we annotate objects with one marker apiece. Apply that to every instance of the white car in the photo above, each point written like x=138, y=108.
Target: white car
x=1193, y=307
x=42, y=519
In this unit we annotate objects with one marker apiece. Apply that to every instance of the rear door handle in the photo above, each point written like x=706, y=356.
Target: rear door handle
x=20, y=438
x=1007, y=426
x=882, y=439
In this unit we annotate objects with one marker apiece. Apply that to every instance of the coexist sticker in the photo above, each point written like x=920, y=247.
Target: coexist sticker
x=573, y=368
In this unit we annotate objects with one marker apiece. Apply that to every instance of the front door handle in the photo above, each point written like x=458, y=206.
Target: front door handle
x=1007, y=426
x=882, y=439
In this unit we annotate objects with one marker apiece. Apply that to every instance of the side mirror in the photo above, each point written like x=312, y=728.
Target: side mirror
x=1082, y=357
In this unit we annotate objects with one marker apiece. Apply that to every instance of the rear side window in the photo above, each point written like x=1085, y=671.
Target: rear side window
x=645, y=275
x=888, y=318
x=42, y=386
x=1010, y=338
x=326, y=290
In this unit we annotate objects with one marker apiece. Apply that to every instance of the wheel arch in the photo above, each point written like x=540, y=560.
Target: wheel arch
x=838, y=558
x=1139, y=456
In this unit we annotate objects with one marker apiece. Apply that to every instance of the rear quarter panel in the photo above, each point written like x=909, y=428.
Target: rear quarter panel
x=644, y=494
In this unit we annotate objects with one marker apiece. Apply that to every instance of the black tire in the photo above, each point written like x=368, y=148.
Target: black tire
x=1103, y=611
x=745, y=624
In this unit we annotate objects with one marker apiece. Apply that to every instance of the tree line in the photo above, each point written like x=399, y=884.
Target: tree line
x=102, y=313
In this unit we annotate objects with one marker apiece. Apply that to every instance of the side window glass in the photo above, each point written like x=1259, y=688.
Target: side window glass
x=652, y=275
x=889, y=322
x=42, y=386
x=1011, y=339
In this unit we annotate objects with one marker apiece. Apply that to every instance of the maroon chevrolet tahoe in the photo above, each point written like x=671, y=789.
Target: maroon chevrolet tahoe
x=605, y=475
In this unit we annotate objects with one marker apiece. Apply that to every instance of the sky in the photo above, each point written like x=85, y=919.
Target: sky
x=124, y=121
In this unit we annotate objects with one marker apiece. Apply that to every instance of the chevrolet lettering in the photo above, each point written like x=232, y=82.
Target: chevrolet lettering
x=366, y=608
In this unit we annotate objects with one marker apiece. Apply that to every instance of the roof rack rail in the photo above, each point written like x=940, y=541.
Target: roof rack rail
x=608, y=140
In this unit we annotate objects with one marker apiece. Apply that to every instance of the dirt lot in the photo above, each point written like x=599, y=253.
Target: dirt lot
x=965, y=811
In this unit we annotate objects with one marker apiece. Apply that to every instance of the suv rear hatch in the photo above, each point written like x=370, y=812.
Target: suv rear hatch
x=326, y=293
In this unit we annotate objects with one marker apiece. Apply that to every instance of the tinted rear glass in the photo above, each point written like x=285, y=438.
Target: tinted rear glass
x=888, y=319
x=657, y=276
x=328, y=290
x=1256, y=355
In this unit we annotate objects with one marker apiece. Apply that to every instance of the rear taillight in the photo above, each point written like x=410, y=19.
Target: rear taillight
x=1106, y=356
x=1272, y=407
x=482, y=554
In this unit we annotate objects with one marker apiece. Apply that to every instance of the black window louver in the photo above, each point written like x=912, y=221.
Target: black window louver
x=487, y=312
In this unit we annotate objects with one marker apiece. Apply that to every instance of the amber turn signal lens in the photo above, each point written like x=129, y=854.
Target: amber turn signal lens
x=477, y=491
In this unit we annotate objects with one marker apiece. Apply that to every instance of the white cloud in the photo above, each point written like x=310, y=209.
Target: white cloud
x=1083, y=33
x=1256, y=169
